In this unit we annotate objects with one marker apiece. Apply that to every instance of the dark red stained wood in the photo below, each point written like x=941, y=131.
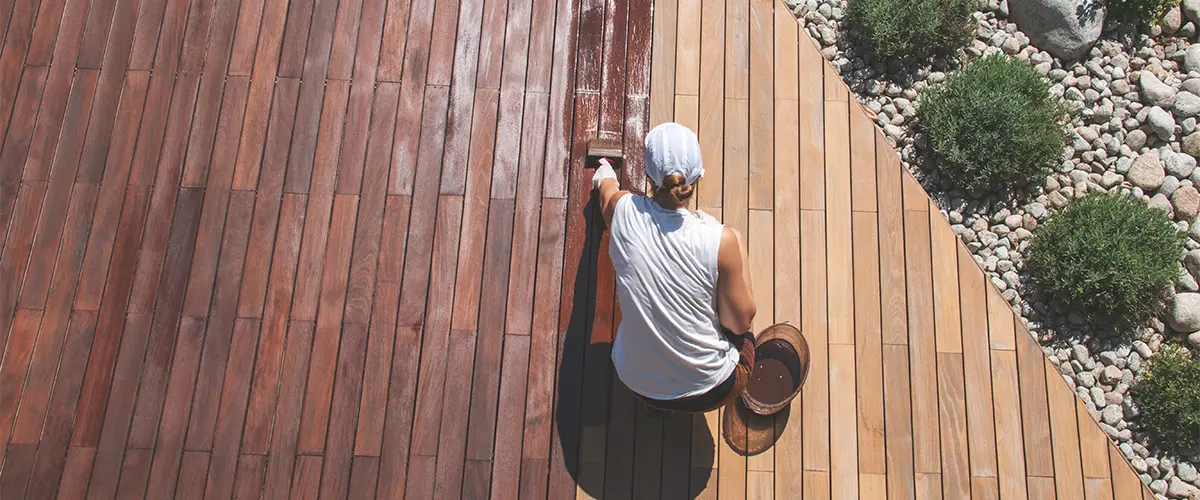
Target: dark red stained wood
x=100, y=16
x=120, y=406
x=267, y=58
x=491, y=44
x=397, y=429
x=476, y=474
x=529, y=189
x=135, y=471
x=475, y=208
x=245, y=37
x=590, y=45
x=641, y=31
x=415, y=284
x=543, y=344
x=322, y=368
x=268, y=363
x=459, y=125
x=370, y=34
x=16, y=42
x=162, y=202
x=291, y=397
x=299, y=17
x=533, y=478
x=320, y=202
x=218, y=339
x=422, y=468
x=28, y=101
x=60, y=127
x=317, y=136
x=116, y=294
x=541, y=46
x=14, y=365
x=231, y=415
x=151, y=135
x=16, y=251
x=354, y=146
x=193, y=470
x=368, y=232
x=75, y=477
x=395, y=34
x=436, y=332
x=145, y=34
x=448, y=475
x=420, y=118
x=267, y=207
x=50, y=233
x=508, y=144
x=212, y=83
x=506, y=463
x=377, y=370
x=612, y=84
x=489, y=347
x=164, y=471
x=345, y=33
x=216, y=204
x=308, y=475
x=47, y=29
x=364, y=474
x=250, y=469
x=112, y=192
x=55, y=432
x=276, y=133
x=339, y=447
x=45, y=361
x=562, y=85
x=441, y=47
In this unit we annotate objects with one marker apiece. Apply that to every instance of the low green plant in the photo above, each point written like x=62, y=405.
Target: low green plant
x=1111, y=257
x=994, y=125
x=1167, y=395
x=910, y=29
x=1148, y=11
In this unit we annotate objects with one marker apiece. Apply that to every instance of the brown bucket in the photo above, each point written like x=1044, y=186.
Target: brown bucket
x=781, y=362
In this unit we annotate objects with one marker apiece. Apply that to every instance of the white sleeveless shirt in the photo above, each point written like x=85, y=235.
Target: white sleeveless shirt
x=669, y=344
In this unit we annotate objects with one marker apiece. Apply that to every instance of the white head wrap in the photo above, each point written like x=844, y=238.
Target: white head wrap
x=672, y=148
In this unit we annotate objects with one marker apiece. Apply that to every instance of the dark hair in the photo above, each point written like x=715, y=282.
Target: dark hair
x=674, y=192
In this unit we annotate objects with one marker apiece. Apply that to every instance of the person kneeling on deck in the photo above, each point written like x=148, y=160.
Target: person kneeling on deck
x=683, y=284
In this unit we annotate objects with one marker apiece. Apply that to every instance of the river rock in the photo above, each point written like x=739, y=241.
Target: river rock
x=1184, y=313
x=1065, y=28
x=1146, y=172
x=1186, y=201
x=1155, y=92
x=1161, y=123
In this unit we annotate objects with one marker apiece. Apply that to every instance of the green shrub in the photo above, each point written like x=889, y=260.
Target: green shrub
x=1148, y=11
x=908, y=29
x=1111, y=257
x=1168, y=396
x=994, y=125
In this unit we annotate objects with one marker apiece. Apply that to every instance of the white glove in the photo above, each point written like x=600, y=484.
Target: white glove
x=604, y=171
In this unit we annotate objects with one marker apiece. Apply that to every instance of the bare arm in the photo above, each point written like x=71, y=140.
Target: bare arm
x=735, y=300
x=608, y=195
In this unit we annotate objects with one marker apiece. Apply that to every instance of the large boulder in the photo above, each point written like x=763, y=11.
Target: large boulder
x=1184, y=313
x=1065, y=28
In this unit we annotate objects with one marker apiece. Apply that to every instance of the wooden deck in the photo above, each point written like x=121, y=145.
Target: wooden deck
x=344, y=248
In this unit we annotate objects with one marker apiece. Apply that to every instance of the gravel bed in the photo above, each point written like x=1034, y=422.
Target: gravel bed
x=1137, y=93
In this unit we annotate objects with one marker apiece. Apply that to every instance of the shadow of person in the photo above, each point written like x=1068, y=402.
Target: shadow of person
x=613, y=445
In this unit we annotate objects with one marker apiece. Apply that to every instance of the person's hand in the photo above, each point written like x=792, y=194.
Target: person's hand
x=706, y=218
x=604, y=171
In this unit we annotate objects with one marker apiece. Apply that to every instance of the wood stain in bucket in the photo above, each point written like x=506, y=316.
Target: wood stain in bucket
x=776, y=370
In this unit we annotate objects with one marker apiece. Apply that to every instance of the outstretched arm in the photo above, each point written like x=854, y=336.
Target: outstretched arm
x=608, y=191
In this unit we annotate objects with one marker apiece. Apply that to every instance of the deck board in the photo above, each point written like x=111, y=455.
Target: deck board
x=324, y=248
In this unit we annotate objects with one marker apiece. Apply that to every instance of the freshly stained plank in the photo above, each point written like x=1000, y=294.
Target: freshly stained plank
x=868, y=343
x=397, y=429
x=339, y=443
x=74, y=476
x=283, y=437
x=529, y=187
x=478, y=179
x=250, y=470
x=840, y=274
x=16, y=250
x=169, y=440
x=225, y=465
x=952, y=417
x=448, y=476
x=14, y=364
x=506, y=463
x=1010, y=445
x=844, y=454
x=322, y=369
x=815, y=395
